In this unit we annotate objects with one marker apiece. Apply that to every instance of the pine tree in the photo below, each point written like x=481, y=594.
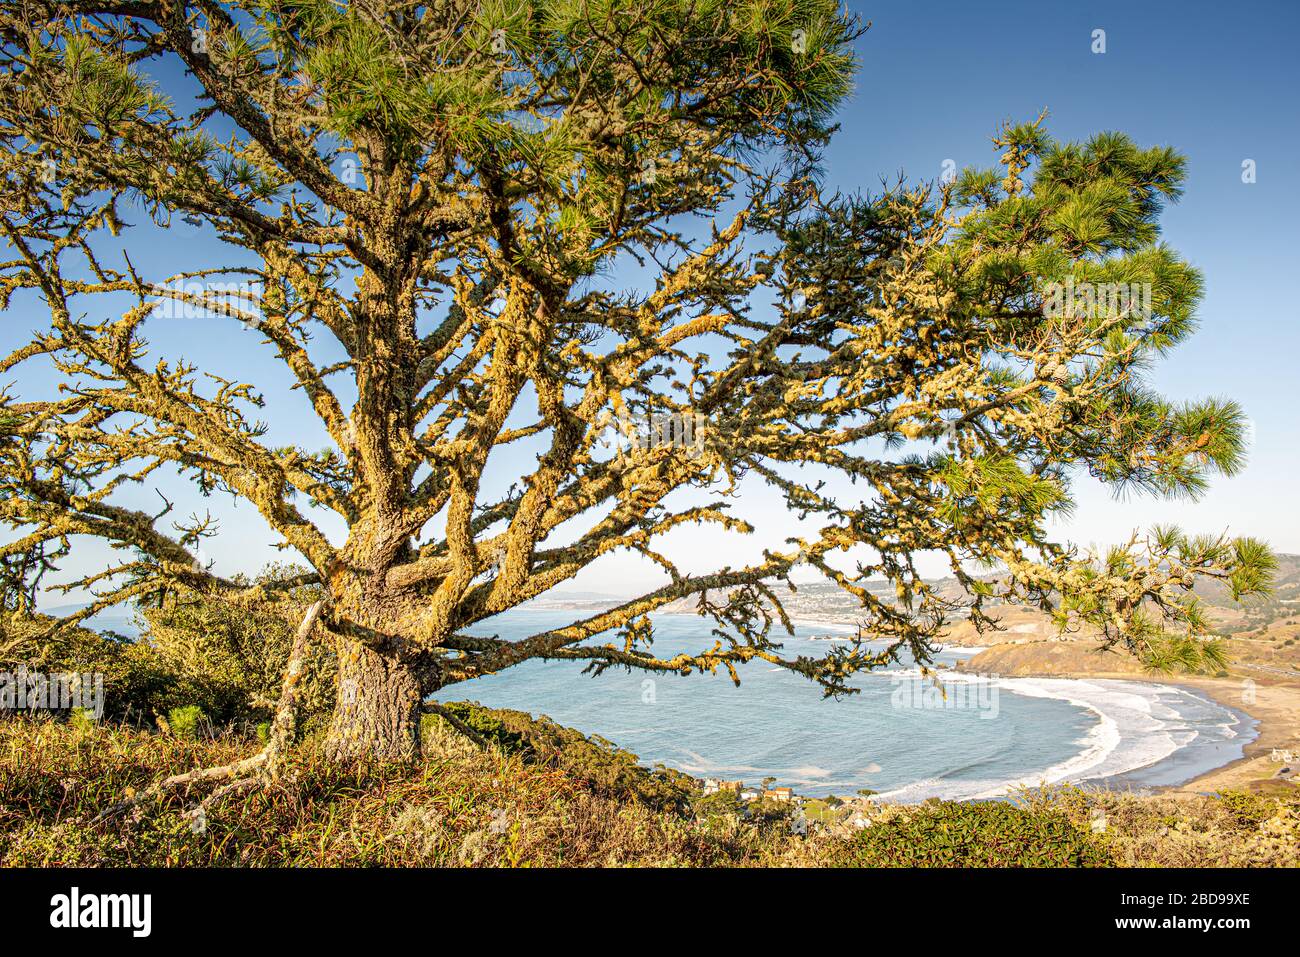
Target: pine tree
x=444, y=190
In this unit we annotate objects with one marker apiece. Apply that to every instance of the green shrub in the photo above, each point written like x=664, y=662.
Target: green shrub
x=717, y=807
x=136, y=683
x=989, y=834
x=230, y=659
x=1246, y=809
x=81, y=719
x=187, y=722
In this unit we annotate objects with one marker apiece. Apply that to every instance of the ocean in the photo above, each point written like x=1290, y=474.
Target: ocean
x=898, y=736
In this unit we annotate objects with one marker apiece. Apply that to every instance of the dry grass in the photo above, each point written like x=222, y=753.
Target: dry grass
x=1235, y=829
x=462, y=806
x=469, y=806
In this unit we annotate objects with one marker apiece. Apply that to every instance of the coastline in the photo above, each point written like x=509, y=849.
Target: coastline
x=1275, y=709
x=1276, y=712
x=1272, y=703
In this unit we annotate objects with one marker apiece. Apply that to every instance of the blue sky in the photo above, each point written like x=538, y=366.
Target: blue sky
x=935, y=81
x=1217, y=82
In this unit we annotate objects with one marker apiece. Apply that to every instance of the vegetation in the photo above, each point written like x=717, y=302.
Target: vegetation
x=506, y=805
x=185, y=722
x=230, y=660
x=195, y=652
x=432, y=203
x=136, y=684
x=989, y=834
x=462, y=805
x=596, y=763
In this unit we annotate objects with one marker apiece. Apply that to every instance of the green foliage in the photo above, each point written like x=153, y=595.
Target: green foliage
x=230, y=659
x=991, y=834
x=1253, y=567
x=718, y=810
x=227, y=660
x=187, y=721
x=1086, y=214
x=997, y=485
x=136, y=684
x=496, y=82
x=1141, y=595
x=82, y=719
x=1246, y=809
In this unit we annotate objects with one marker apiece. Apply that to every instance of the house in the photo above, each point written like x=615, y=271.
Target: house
x=749, y=795
x=715, y=785
x=784, y=795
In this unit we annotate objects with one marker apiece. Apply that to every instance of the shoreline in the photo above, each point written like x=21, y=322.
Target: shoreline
x=1276, y=712
x=1274, y=707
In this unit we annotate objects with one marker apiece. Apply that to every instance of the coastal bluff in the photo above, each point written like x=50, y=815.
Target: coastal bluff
x=1047, y=658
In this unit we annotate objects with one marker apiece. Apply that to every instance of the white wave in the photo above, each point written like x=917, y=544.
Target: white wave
x=817, y=625
x=698, y=764
x=809, y=773
x=1137, y=725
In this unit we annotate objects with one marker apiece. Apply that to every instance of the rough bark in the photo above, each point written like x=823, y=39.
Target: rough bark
x=377, y=714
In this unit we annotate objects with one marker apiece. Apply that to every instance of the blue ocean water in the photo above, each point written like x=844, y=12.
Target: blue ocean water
x=898, y=736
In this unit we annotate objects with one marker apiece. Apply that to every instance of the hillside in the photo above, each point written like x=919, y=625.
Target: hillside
x=1265, y=631
x=528, y=793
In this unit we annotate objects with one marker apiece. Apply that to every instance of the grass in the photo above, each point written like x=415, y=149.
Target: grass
x=461, y=806
x=540, y=795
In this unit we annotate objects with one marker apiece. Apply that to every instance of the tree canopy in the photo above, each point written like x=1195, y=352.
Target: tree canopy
x=449, y=192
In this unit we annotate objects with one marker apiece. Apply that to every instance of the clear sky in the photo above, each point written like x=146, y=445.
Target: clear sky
x=1218, y=82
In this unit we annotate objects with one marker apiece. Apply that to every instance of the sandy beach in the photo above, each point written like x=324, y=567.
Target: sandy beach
x=1275, y=705
x=1271, y=699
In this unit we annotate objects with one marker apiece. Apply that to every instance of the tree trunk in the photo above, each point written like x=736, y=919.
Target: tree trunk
x=377, y=713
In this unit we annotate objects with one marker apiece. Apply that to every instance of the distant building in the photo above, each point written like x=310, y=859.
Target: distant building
x=715, y=785
x=784, y=795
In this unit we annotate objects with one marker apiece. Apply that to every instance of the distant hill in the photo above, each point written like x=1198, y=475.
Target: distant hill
x=1264, y=629
x=121, y=619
